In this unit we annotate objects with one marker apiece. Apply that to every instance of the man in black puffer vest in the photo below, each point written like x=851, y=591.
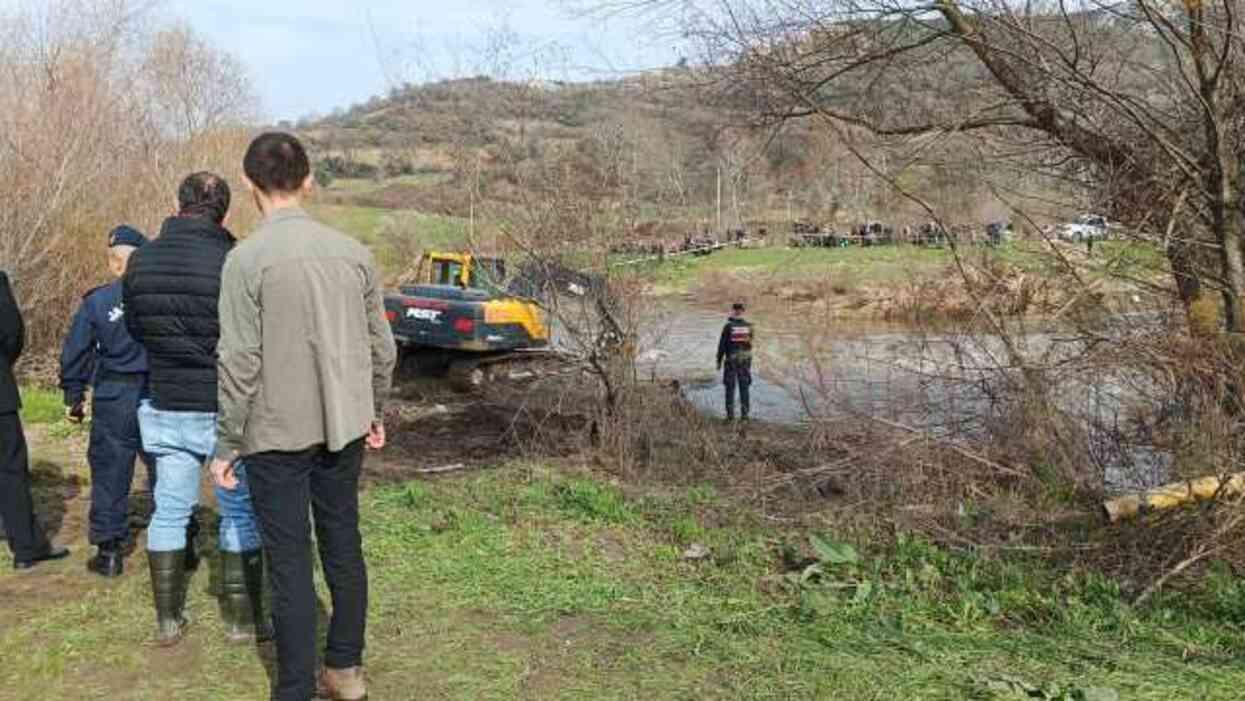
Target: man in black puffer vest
x=171, y=290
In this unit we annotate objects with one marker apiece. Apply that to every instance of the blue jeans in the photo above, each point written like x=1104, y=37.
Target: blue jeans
x=181, y=442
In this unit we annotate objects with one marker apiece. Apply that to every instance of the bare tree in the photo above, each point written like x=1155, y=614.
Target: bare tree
x=1139, y=101
x=192, y=87
x=93, y=134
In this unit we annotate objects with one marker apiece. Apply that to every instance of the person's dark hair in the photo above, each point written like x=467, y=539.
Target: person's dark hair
x=204, y=195
x=276, y=162
x=738, y=307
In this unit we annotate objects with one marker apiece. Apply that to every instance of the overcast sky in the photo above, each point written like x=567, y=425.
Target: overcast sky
x=310, y=56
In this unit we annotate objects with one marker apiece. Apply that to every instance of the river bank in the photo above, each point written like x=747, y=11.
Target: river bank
x=541, y=578
x=906, y=284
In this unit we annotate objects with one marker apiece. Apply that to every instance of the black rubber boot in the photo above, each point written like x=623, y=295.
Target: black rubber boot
x=242, y=597
x=192, y=552
x=109, y=560
x=168, y=588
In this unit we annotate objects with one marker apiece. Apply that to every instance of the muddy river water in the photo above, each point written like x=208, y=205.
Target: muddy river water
x=942, y=384
x=805, y=371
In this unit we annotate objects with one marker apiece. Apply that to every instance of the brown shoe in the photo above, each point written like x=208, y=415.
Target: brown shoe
x=342, y=684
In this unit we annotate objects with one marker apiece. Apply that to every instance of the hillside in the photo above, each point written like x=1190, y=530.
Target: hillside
x=657, y=138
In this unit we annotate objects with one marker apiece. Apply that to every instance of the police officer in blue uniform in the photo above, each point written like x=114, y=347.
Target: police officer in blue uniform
x=735, y=362
x=100, y=352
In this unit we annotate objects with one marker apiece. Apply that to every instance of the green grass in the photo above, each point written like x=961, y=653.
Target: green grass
x=388, y=232
x=42, y=406
x=849, y=268
x=363, y=186
x=523, y=583
x=363, y=223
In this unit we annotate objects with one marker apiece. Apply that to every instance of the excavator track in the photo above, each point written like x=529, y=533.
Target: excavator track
x=474, y=374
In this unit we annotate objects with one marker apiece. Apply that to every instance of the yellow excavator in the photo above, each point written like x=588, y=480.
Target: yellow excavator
x=460, y=314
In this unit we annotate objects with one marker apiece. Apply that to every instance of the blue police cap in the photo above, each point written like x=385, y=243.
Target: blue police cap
x=126, y=236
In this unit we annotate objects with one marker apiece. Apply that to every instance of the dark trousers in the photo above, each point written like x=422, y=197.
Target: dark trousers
x=283, y=485
x=738, y=376
x=26, y=537
x=115, y=444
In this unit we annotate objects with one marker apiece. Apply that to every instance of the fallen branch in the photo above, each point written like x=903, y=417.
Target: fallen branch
x=1181, y=567
x=1204, y=551
x=444, y=468
x=952, y=445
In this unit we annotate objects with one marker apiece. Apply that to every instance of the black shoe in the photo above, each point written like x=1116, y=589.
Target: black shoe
x=109, y=561
x=53, y=553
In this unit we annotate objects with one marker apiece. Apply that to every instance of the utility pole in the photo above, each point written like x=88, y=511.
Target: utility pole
x=719, y=199
x=471, y=221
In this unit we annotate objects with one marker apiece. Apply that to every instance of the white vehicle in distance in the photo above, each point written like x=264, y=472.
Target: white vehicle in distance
x=1087, y=227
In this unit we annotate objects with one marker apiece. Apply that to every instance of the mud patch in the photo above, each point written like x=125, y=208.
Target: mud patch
x=48, y=585
x=612, y=547
x=570, y=629
x=473, y=432
x=571, y=637
x=503, y=641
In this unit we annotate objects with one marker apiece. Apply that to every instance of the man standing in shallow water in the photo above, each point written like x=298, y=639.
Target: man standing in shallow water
x=735, y=362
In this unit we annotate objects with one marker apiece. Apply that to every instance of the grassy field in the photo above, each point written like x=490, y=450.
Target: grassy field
x=362, y=186
x=391, y=232
x=879, y=267
x=852, y=265
x=530, y=581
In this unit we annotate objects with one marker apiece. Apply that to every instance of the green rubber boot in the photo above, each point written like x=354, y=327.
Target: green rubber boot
x=242, y=599
x=168, y=588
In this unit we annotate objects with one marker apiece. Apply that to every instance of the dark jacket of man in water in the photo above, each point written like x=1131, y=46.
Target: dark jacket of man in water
x=735, y=361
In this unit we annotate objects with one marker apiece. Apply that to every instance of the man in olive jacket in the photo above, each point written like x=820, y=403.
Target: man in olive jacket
x=27, y=540
x=306, y=359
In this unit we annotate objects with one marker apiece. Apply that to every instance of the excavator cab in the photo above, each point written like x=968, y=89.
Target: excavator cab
x=462, y=270
x=448, y=272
